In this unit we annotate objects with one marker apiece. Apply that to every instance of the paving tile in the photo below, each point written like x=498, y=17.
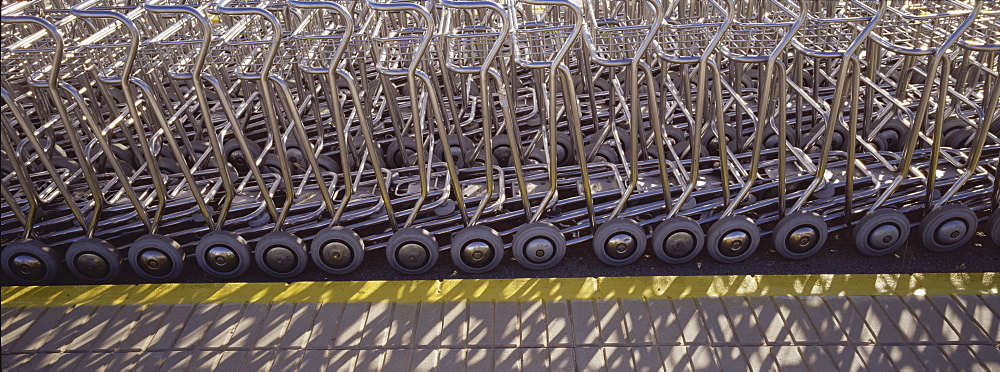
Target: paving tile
x=796, y=320
x=168, y=331
x=974, y=306
x=689, y=318
x=40, y=330
x=585, y=328
x=404, y=322
x=988, y=355
x=875, y=358
x=342, y=360
x=646, y=358
x=275, y=324
x=558, y=326
x=317, y=360
x=288, y=360
x=194, y=332
x=533, y=326
x=248, y=326
x=612, y=322
x=675, y=358
x=666, y=324
x=300, y=325
x=151, y=361
x=993, y=301
x=377, y=323
x=352, y=324
x=123, y=361
x=717, y=322
x=260, y=360
x=370, y=360
x=455, y=323
x=880, y=324
x=533, y=359
x=117, y=332
x=428, y=331
x=424, y=360
x=507, y=323
x=205, y=360
x=95, y=361
x=42, y=361
x=395, y=360
x=823, y=320
x=15, y=362
x=589, y=358
x=86, y=339
x=907, y=323
x=480, y=324
x=561, y=359
x=731, y=358
x=68, y=328
x=702, y=358
x=619, y=358
x=789, y=358
x=177, y=360
x=16, y=327
x=66, y=362
x=324, y=329
x=743, y=322
x=852, y=322
x=451, y=359
x=932, y=357
x=939, y=329
x=7, y=316
x=903, y=358
x=967, y=329
x=962, y=358
x=479, y=360
x=507, y=359
x=770, y=321
x=759, y=358
x=817, y=358
x=222, y=327
x=846, y=358
x=638, y=327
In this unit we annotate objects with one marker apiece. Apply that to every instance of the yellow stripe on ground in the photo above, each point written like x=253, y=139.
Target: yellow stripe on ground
x=643, y=287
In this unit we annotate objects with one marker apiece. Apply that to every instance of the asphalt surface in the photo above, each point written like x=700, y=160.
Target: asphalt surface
x=838, y=257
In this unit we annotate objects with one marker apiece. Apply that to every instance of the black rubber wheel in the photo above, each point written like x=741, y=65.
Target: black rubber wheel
x=476, y=249
x=710, y=141
x=678, y=240
x=619, y=242
x=565, y=152
x=455, y=143
x=94, y=261
x=223, y=254
x=281, y=254
x=993, y=228
x=337, y=250
x=605, y=154
x=502, y=151
x=328, y=164
x=412, y=251
x=800, y=235
x=732, y=239
x=539, y=246
x=881, y=232
x=156, y=258
x=30, y=262
x=894, y=133
x=236, y=157
x=948, y=228
x=959, y=138
x=396, y=158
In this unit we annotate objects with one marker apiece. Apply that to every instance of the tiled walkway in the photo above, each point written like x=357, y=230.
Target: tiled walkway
x=819, y=333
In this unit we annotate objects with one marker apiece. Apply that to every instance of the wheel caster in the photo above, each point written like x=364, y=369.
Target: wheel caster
x=948, y=228
x=605, y=154
x=156, y=258
x=476, y=249
x=281, y=254
x=619, y=242
x=223, y=254
x=678, y=240
x=30, y=262
x=236, y=157
x=455, y=144
x=881, y=232
x=94, y=261
x=732, y=239
x=565, y=153
x=539, y=246
x=337, y=250
x=398, y=158
x=412, y=251
x=800, y=235
x=993, y=229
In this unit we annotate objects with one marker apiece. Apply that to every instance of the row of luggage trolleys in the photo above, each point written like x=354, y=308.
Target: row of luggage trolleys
x=284, y=134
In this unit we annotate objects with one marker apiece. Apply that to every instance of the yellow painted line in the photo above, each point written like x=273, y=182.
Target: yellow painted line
x=413, y=291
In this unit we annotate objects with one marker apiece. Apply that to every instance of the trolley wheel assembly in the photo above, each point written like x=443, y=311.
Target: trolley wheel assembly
x=236, y=157
x=395, y=157
x=337, y=250
x=156, y=258
x=881, y=232
x=619, y=242
x=677, y=240
x=412, y=251
x=223, y=254
x=993, y=229
x=948, y=227
x=539, y=246
x=732, y=239
x=605, y=154
x=281, y=254
x=94, y=260
x=476, y=249
x=455, y=144
x=800, y=235
x=30, y=262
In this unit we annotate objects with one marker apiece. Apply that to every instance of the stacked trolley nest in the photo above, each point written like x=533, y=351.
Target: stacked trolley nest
x=259, y=135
